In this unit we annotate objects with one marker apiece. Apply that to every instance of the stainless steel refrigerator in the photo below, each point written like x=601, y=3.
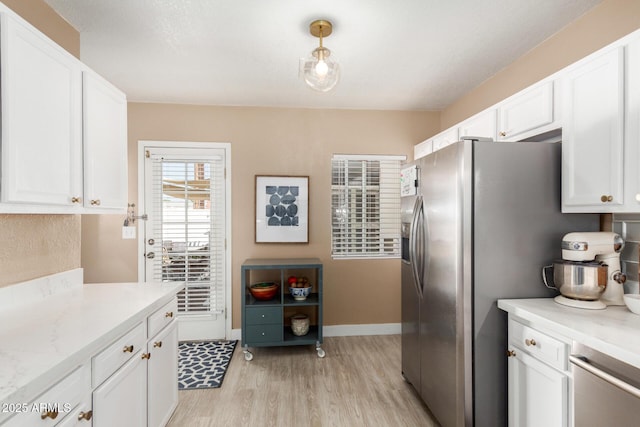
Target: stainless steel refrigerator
x=485, y=219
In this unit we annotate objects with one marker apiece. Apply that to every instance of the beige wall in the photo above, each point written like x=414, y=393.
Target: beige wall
x=38, y=245
x=277, y=142
x=603, y=24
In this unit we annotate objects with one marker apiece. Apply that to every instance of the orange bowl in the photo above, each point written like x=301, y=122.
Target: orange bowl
x=264, y=291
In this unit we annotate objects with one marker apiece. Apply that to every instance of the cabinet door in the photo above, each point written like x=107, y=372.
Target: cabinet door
x=482, y=125
x=423, y=149
x=445, y=138
x=592, y=135
x=529, y=110
x=632, y=123
x=105, y=144
x=538, y=394
x=163, y=375
x=41, y=119
x=122, y=399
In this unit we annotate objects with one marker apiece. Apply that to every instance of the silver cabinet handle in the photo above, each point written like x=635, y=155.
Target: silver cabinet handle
x=582, y=362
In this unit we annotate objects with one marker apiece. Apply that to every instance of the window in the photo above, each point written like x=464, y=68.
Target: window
x=188, y=225
x=365, y=206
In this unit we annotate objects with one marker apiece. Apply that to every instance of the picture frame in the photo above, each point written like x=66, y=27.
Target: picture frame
x=282, y=209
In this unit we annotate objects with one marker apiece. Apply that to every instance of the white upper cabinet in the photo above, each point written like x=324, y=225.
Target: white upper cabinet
x=422, y=149
x=632, y=126
x=527, y=113
x=64, y=128
x=445, y=138
x=482, y=125
x=105, y=149
x=41, y=119
x=593, y=132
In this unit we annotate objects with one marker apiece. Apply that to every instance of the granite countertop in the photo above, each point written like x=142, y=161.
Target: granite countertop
x=45, y=334
x=614, y=331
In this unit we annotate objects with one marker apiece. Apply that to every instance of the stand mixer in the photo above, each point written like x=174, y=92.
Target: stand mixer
x=603, y=247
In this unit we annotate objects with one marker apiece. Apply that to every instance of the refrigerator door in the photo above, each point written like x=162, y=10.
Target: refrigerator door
x=441, y=321
x=411, y=291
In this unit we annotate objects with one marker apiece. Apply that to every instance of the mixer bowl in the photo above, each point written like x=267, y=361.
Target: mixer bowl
x=580, y=280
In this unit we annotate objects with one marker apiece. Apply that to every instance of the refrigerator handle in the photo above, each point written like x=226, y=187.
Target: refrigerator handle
x=421, y=245
x=414, y=249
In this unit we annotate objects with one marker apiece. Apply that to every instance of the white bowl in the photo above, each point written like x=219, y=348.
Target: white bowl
x=633, y=302
x=300, y=294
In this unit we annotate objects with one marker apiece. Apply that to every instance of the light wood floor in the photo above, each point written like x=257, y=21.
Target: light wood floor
x=358, y=383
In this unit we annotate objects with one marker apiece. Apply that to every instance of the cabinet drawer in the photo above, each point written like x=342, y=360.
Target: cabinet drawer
x=162, y=317
x=114, y=356
x=263, y=333
x=54, y=405
x=264, y=316
x=538, y=344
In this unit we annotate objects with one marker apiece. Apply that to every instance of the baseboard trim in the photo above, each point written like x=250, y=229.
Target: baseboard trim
x=347, y=330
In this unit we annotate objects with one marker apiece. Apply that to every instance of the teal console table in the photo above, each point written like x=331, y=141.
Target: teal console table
x=267, y=323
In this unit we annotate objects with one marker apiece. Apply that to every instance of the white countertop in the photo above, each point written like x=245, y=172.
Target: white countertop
x=614, y=331
x=45, y=336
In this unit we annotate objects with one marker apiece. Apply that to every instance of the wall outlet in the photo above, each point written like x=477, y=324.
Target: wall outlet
x=128, y=232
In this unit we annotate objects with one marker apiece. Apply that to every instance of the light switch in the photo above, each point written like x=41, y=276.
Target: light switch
x=128, y=232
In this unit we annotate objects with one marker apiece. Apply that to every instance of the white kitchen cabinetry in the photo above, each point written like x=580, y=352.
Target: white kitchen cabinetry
x=41, y=119
x=162, y=376
x=445, y=138
x=632, y=127
x=593, y=132
x=121, y=400
x=422, y=149
x=538, y=378
x=63, y=400
x=136, y=377
x=527, y=113
x=105, y=148
x=482, y=125
x=64, y=129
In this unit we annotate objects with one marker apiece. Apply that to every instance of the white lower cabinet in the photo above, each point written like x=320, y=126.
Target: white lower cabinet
x=121, y=400
x=162, y=397
x=131, y=382
x=59, y=403
x=82, y=416
x=136, y=378
x=538, y=378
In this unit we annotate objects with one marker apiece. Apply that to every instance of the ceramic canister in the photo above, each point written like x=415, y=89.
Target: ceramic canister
x=300, y=324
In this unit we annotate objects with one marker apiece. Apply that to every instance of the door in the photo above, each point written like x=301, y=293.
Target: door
x=162, y=392
x=122, y=399
x=411, y=288
x=185, y=235
x=439, y=322
x=592, y=134
x=537, y=393
x=105, y=144
x=41, y=119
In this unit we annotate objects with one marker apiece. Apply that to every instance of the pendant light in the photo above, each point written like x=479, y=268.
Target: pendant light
x=319, y=70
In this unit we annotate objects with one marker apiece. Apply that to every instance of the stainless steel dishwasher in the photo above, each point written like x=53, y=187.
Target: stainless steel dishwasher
x=606, y=390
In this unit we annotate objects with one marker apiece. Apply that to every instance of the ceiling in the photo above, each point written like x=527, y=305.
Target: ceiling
x=394, y=55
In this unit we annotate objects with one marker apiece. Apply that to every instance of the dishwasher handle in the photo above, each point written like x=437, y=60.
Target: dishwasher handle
x=582, y=362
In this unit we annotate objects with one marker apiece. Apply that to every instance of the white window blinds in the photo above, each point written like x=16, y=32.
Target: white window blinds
x=365, y=206
x=189, y=217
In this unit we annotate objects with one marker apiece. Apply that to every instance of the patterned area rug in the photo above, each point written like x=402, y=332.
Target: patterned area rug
x=202, y=364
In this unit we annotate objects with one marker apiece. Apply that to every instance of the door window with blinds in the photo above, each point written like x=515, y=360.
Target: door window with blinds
x=365, y=206
x=187, y=229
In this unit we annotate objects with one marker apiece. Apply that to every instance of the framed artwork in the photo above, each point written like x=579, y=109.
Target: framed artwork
x=282, y=209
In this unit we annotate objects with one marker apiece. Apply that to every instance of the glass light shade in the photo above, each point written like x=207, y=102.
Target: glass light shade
x=320, y=72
